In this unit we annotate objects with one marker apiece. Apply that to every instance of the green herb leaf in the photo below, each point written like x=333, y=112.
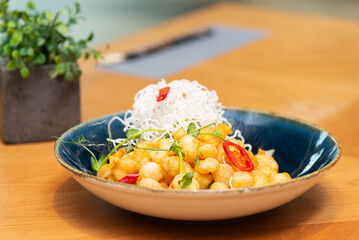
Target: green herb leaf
x=196, y=133
x=217, y=133
x=130, y=133
x=175, y=148
x=102, y=160
x=186, y=180
x=95, y=164
x=191, y=127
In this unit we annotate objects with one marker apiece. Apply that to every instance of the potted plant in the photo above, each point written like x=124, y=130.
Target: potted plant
x=39, y=75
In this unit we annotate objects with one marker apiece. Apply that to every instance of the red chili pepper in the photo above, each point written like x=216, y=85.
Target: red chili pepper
x=130, y=178
x=235, y=156
x=163, y=92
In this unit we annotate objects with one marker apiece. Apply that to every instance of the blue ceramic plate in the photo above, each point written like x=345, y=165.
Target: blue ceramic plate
x=303, y=150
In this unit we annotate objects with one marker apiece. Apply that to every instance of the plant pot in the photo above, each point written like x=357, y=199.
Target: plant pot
x=38, y=107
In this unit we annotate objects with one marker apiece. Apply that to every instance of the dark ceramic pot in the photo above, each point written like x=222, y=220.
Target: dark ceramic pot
x=38, y=107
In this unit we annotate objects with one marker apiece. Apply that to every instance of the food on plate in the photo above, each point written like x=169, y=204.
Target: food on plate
x=202, y=158
x=178, y=138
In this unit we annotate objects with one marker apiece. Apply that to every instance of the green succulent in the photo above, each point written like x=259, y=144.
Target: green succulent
x=33, y=38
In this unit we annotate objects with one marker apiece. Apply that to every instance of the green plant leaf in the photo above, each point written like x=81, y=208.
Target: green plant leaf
x=90, y=37
x=62, y=28
x=82, y=44
x=102, y=160
x=195, y=133
x=31, y=5
x=23, y=51
x=175, y=148
x=24, y=71
x=217, y=133
x=130, y=133
x=191, y=127
x=7, y=50
x=186, y=180
x=40, y=59
x=48, y=15
x=77, y=6
x=60, y=68
x=16, y=38
x=11, y=65
x=69, y=76
x=86, y=55
x=58, y=59
x=11, y=24
x=53, y=74
x=95, y=164
x=15, y=54
x=30, y=51
x=40, y=41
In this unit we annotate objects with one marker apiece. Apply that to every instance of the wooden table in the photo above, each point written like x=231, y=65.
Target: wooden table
x=307, y=67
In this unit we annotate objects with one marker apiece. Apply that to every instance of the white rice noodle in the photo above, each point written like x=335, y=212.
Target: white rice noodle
x=185, y=103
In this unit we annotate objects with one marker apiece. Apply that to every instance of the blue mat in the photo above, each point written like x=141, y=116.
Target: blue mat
x=179, y=57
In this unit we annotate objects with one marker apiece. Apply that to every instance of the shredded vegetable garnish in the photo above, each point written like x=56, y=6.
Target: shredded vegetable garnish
x=186, y=102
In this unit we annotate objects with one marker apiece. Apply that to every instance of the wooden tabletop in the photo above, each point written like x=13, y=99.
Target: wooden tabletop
x=307, y=67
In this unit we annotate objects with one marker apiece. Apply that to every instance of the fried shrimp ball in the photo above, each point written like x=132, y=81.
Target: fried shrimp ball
x=208, y=138
x=223, y=174
x=259, y=178
x=170, y=165
x=117, y=155
x=218, y=186
x=190, y=147
x=128, y=164
x=179, y=133
x=208, y=151
x=280, y=178
x=242, y=179
x=264, y=159
x=204, y=180
x=208, y=165
x=149, y=183
x=225, y=130
x=268, y=170
x=151, y=170
x=118, y=173
x=203, y=156
x=141, y=156
x=105, y=170
x=157, y=156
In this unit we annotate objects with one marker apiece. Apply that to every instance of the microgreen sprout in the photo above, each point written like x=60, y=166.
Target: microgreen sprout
x=186, y=180
x=95, y=163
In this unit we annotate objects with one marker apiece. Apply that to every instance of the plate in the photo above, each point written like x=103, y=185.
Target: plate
x=302, y=149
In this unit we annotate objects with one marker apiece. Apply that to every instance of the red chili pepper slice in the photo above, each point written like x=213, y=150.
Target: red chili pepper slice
x=163, y=92
x=130, y=178
x=235, y=156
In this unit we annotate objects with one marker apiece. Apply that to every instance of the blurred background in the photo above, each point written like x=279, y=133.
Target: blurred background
x=111, y=19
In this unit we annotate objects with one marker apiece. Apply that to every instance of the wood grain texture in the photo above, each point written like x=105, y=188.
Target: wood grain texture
x=307, y=67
